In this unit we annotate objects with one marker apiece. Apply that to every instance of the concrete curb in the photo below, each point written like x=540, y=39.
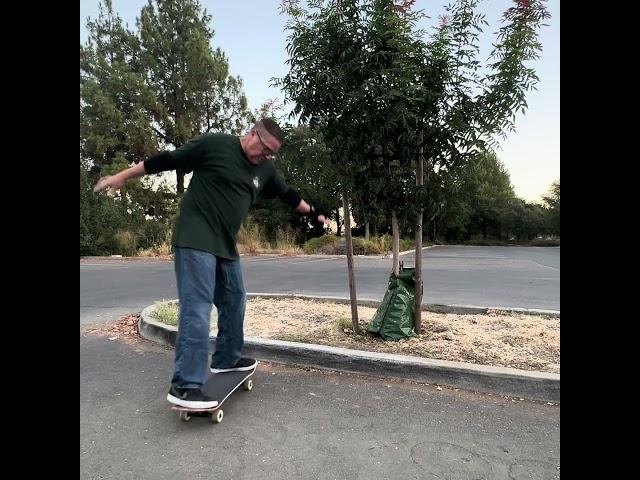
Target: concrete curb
x=497, y=380
x=162, y=258
x=428, y=307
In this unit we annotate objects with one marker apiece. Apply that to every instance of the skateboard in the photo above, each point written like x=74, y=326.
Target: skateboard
x=219, y=386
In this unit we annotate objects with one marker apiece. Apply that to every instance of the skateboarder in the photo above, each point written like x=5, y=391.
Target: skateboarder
x=228, y=175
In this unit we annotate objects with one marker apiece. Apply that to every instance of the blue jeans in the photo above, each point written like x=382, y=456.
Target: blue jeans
x=203, y=280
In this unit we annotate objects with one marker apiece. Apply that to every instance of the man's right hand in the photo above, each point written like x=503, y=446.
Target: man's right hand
x=113, y=182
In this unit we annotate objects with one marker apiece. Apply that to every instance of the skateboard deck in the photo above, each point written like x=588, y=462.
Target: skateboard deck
x=219, y=386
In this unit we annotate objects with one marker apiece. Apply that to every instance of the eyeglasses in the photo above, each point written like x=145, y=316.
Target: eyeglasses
x=265, y=149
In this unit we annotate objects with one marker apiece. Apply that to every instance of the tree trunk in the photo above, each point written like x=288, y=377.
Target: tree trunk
x=338, y=224
x=352, y=278
x=418, y=262
x=395, y=231
x=366, y=231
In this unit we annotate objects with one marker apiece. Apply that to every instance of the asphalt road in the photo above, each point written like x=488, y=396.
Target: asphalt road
x=299, y=423
x=520, y=277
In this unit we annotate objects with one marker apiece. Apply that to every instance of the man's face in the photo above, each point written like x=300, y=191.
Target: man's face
x=262, y=146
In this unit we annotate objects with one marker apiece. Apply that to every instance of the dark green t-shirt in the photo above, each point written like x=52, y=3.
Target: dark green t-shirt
x=223, y=188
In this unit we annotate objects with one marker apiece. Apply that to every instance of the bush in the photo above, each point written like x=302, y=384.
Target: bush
x=407, y=244
x=332, y=245
x=286, y=241
x=167, y=313
x=153, y=234
x=338, y=248
x=164, y=247
x=317, y=244
x=103, y=222
x=126, y=242
x=365, y=247
x=251, y=238
x=383, y=244
x=492, y=242
x=478, y=241
x=543, y=242
x=343, y=324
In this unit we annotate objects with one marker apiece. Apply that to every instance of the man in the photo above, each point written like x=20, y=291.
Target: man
x=228, y=175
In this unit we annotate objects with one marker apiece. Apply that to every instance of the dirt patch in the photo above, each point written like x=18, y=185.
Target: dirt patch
x=527, y=342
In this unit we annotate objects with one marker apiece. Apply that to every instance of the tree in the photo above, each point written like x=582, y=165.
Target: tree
x=552, y=202
x=102, y=218
x=384, y=99
x=489, y=190
x=150, y=90
x=326, y=65
x=433, y=99
x=304, y=161
x=192, y=91
x=522, y=220
x=114, y=129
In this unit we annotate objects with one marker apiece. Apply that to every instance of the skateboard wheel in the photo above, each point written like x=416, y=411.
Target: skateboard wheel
x=184, y=416
x=248, y=385
x=216, y=417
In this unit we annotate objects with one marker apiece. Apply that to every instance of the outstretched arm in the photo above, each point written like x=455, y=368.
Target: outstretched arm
x=289, y=195
x=115, y=182
x=187, y=157
x=304, y=207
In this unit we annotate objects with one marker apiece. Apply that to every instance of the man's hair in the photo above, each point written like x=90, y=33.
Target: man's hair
x=272, y=127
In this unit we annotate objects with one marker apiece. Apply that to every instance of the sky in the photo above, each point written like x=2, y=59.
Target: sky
x=252, y=34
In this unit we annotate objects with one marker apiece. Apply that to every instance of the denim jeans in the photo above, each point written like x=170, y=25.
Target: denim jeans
x=204, y=280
